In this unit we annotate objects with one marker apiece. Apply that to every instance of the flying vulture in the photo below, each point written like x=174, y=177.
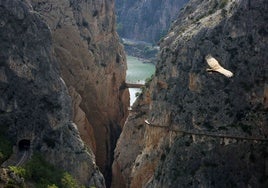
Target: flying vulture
x=215, y=66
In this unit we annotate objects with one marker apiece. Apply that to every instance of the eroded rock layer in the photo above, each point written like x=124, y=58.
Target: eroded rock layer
x=203, y=129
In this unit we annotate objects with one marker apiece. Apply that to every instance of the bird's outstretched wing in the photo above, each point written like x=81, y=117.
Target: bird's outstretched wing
x=215, y=66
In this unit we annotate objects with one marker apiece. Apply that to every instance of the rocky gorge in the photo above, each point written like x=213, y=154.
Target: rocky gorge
x=64, y=101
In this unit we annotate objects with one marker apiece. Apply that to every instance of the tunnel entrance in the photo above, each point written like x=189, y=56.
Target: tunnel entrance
x=24, y=145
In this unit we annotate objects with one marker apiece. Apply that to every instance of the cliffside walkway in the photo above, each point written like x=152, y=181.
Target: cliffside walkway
x=208, y=134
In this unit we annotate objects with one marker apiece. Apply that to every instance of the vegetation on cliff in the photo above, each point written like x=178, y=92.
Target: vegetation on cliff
x=41, y=174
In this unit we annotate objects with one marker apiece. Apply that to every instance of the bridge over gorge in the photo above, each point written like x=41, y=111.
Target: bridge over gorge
x=132, y=85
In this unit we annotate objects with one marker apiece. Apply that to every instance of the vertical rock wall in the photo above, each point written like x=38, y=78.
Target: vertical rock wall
x=206, y=130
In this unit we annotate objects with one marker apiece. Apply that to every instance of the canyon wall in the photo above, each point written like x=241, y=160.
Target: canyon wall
x=34, y=101
x=146, y=20
x=92, y=64
x=68, y=44
x=194, y=128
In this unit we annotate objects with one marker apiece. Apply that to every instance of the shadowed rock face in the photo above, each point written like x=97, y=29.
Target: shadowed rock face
x=146, y=20
x=92, y=64
x=34, y=100
x=184, y=96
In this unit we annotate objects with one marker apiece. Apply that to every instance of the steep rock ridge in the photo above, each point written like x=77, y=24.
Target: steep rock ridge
x=92, y=63
x=146, y=20
x=34, y=100
x=204, y=127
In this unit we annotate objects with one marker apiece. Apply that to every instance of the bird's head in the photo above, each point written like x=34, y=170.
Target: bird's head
x=209, y=56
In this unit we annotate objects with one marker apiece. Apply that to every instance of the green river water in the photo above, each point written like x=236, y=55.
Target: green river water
x=137, y=72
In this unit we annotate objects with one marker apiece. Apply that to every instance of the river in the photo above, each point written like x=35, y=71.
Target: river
x=137, y=72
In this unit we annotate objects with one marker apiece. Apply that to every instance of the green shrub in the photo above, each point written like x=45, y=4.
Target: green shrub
x=68, y=181
x=148, y=81
x=52, y=186
x=18, y=171
x=137, y=94
x=143, y=89
x=45, y=175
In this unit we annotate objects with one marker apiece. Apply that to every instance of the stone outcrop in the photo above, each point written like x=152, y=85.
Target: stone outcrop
x=146, y=20
x=92, y=64
x=203, y=129
x=34, y=100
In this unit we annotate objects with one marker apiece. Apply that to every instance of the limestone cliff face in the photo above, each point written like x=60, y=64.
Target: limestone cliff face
x=146, y=20
x=34, y=100
x=204, y=127
x=92, y=63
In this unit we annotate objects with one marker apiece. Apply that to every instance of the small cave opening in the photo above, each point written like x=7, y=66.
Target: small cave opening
x=24, y=144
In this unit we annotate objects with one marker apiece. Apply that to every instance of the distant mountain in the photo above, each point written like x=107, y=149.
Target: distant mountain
x=146, y=20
